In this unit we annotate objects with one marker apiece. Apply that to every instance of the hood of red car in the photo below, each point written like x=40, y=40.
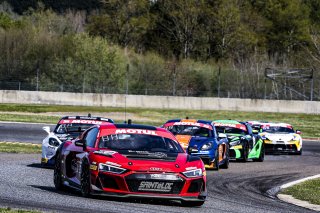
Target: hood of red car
x=144, y=162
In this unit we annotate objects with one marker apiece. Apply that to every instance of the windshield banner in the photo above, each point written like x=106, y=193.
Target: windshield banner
x=238, y=126
x=188, y=123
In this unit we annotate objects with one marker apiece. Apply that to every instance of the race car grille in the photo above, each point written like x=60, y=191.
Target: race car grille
x=108, y=182
x=196, y=186
x=280, y=148
x=232, y=153
x=205, y=159
x=151, y=185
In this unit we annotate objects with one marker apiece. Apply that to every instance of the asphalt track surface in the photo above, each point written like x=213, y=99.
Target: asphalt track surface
x=244, y=187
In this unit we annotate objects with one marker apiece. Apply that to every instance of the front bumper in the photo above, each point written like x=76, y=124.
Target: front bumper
x=140, y=185
x=280, y=148
x=201, y=197
x=235, y=152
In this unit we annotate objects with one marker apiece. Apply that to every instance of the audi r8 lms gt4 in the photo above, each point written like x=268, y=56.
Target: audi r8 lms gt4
x=68, y=127
x=281, y=138
x=128, y=160
x=244, y=144
x=200, y=138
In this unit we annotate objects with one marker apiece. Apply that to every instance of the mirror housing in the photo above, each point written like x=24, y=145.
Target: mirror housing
x=192, y=150
x=298, y=132
x=222, y=135
x=82, y=143
x=46, y=129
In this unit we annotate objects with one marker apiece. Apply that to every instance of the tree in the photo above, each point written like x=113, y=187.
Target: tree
x=178, y=24
x=124, y=22
x=289, y=25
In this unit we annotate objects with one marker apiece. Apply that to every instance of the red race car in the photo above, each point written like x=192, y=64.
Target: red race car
x=127, y=160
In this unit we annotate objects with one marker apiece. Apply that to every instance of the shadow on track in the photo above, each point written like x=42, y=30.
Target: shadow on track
x=39, y=166
x=76, y=193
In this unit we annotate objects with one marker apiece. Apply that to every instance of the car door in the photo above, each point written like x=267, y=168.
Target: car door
x=90, y=136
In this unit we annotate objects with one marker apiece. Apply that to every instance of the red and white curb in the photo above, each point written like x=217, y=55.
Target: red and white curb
x=292, y=200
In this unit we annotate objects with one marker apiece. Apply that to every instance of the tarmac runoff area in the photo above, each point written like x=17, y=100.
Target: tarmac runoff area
x=292, y=200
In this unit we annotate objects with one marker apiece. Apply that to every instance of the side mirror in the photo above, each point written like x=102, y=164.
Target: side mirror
x=81, y=143
x=222, y=135
x=298, y=132
x=46, y=129
x=192, y=150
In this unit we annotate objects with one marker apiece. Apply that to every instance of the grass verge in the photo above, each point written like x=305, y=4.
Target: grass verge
x=9, y=210
x=307, y=191
x=15, y=147
x=307, y=123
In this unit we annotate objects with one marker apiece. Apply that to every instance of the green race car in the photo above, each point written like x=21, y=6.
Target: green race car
x=244, y=142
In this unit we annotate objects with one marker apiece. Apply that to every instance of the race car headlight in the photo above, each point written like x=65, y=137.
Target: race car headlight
x=53, y=142
x=234, y=143
x=111, y=169
x=193, y=173
x=207, y=146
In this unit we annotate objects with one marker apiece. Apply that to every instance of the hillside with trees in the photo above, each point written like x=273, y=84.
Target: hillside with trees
x=158, y=47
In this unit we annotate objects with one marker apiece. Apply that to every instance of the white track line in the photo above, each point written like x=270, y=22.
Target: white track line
x=291, y=199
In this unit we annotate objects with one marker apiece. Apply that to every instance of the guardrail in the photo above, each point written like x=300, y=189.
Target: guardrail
x=161, y=102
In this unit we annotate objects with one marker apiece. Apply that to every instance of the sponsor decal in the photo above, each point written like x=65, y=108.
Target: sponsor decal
x=105, y=152
x=155, y=169
x=155, y=186
x=238, y=126
x=93, y=167
x=80, y=122
x=188, y=123
x=136, y=131
x=52, y=148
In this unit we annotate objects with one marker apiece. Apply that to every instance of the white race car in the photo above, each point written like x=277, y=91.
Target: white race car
x=281, y=138
x=68, y=128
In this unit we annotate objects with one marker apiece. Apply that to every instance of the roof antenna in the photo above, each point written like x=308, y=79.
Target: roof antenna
x=129, y=121
x=187, y=117
x=89, y=115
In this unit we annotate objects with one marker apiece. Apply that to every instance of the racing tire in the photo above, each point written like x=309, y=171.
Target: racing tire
x=299, y=152
x=85, y=182
x=261, y=156
x=57, y=174
x=216, y=159
x=192, y=203
x=225, y=165
x=245, y=152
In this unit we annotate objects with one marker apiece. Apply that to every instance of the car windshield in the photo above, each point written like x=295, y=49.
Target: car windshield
x=139, y=143
x=189, y=130
x=230, y=130
x=278, y=129
x=71, y=128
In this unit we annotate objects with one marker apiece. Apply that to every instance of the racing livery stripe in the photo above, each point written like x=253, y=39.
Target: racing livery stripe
x=238, y=126
x=79, y=121
x=111, y=131
x=188, y=123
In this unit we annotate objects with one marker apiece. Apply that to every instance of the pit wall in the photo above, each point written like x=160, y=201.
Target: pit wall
x=160, y=102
